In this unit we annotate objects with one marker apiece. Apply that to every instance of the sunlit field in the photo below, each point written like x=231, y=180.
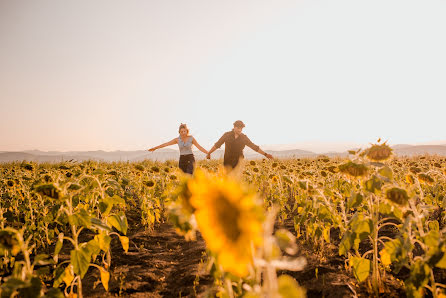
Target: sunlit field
x=368, y=225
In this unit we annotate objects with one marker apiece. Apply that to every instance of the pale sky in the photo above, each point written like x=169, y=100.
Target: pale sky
x=122, y=75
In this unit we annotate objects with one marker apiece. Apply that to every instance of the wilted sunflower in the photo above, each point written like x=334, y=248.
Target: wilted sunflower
x=333, y=169
x=415, y=170
x=28, y=166
x=149, y=184
x=139, y=167
x=229, y=218
x=113, y=173
x=425, y=178
x=49, y=190
x=397, y=195
x=379, y=152
x=353, y=169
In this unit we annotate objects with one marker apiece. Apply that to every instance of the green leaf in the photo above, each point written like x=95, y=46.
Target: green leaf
x=107, y=204
x=119, y=221
x=361, y=268
x=386, y=172
x=361, y=229
x=80, y=259
x=58, y=276
x=431, y=240
x=104, y=241
x=68, y=275
x=373, y=185
x=326, y=234
x=289, y=288
x=98, y=224
x=93, y=247
x=80, y=219
x=355, y=200
x=390, y=210
x=346, y=243
x=442, y=262
x=124, y=242
x=105, y=277
x=58, y=247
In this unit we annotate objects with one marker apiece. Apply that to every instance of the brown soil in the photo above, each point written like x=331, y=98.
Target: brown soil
x=158, y=264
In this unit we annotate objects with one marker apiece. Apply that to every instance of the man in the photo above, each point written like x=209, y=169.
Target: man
x=235, y=141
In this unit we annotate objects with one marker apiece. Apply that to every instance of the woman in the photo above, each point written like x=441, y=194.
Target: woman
x=185, y=142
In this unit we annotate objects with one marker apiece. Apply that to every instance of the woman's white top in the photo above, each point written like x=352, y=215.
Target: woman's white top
x=185, y=147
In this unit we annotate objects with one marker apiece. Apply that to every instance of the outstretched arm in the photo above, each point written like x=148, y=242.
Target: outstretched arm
x=257, y=148
x=198, y=146
x=173, y=142
x=267, y=155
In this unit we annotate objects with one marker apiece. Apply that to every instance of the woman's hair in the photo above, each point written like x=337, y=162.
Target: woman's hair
x=182, y=125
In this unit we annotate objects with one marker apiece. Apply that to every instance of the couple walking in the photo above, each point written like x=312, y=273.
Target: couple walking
x=234, y=141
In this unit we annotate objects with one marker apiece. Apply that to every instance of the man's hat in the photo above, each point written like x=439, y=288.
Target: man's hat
x=239, y=123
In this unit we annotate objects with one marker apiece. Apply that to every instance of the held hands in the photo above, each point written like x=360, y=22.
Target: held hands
x=208, y=156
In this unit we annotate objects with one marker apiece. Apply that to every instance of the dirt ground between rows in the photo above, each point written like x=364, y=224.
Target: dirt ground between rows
x=161, y=263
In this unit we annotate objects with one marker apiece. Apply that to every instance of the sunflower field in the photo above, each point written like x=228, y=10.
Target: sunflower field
x=370, y=224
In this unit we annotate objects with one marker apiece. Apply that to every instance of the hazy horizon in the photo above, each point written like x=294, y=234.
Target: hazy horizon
x=315, y=147
x=112, y=75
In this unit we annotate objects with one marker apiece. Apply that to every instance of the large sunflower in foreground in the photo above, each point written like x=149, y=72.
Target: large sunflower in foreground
x=229, y=218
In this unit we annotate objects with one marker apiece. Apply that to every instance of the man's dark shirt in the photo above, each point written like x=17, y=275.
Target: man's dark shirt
x=234, y=147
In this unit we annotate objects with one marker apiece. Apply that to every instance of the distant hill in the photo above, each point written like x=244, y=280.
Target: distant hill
x=21, y=156
x=283, y=153
x=401, y=146
x=420, y=150
x=172, y=154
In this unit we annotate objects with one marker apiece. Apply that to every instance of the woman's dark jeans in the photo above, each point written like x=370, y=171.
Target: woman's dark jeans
x=186, y=163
